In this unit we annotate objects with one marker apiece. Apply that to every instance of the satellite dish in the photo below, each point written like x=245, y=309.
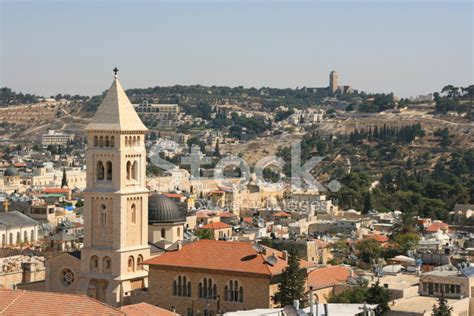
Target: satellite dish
x=257, y=247
x=272, y=260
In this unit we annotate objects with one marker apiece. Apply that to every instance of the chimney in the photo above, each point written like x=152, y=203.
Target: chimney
x=180, y=245
x=264, y=251
x=285, y=254
x=27, y=275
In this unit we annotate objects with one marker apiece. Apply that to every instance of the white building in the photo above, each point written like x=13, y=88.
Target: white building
x=17, y=228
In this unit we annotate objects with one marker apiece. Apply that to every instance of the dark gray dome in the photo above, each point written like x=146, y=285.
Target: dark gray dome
x=10, y=172
x=162, y=209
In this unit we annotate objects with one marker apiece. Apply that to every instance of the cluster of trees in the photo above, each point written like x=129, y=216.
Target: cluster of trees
x=454, y=99
x=385, y=177
x=413, y=187
x=386, y=134
x=10, y=97
x=378, y=102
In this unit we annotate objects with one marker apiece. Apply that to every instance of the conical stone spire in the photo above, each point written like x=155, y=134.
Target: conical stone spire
x=116, y=112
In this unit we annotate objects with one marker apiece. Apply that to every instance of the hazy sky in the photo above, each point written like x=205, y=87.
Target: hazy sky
x=408, y=47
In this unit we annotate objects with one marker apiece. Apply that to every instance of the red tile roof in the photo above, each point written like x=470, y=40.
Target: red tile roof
x=20, y=302
x=377, y=237
x=145, y=309
x=173, y=195
x=226, y=214
x=281, y=214
x=55, y=190
x=329, y=276
x=434, y=227
x=237, y=257
x=215, y=225
x=206, y=214
x=248, y=219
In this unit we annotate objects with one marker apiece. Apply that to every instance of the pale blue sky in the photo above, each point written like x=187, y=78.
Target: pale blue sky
x=408, y=47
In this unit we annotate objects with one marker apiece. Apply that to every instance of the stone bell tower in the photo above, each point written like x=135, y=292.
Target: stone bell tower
x=115, y=202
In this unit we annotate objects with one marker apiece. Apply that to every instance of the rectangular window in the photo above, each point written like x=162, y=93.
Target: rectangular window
x=446, y=288
x=425, y=287
x=458, y=289
x=436, y=287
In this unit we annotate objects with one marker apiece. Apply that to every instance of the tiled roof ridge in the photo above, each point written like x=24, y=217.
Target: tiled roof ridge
x=13, y=300
x=57, y=293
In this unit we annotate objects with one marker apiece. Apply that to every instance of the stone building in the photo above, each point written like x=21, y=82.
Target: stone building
x=210, y=276
x=17, y=228
x=115, y=208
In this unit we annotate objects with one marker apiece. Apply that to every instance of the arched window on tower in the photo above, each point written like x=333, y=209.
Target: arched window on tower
x=108, y=166
x=106, y=264
x=96, y=141
x=103, y=214
x=25, y=236
x=135, y=170
x=112, y=141
x=100, y=170
x=140, y=262
x=133, y=213
x=131, y=264
x=138, y=141
x=18, y=238
x=163, y=233
x=107, y=141
x=94, y=264
x=134, y=141
x=129, y=170
x=101, y=141
x=126, y=141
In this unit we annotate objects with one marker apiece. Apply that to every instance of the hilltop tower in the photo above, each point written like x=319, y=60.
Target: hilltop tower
x=333, y=82
x=115, y=202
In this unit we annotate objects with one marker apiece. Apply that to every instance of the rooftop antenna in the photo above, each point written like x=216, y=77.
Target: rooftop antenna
x=257, y=247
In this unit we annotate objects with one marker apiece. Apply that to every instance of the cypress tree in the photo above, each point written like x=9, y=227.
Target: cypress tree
x=64, y=179
x=443, y=309
x=292, y=285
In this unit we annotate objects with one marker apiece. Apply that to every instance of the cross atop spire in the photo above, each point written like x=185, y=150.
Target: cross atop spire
x=115, y=70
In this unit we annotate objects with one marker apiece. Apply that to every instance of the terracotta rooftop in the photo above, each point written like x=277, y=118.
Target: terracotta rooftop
x=56, y=190
x=248, y=220
x=329, y=276
x=215, y=225
x=145, y=309
x=173, y=195
x=377, y=237
x=434, y=227
x=226, y=214
x=20, y=302
x=281, y=214
x=232, y=257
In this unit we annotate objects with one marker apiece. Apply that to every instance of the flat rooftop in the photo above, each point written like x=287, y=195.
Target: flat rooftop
x=399, y=281
x=417, y=304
